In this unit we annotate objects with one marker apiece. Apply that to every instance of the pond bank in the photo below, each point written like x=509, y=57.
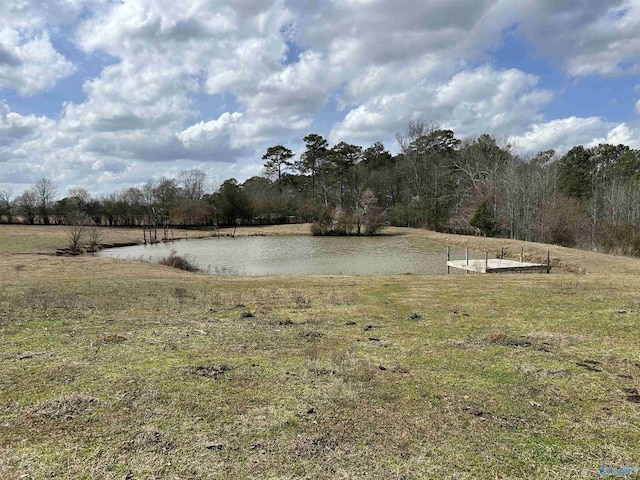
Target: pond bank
x=47, y=239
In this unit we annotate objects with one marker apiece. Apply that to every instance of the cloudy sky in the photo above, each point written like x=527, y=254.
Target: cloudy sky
x=106, y=94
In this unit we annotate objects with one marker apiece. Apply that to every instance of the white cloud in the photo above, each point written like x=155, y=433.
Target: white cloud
x=297, y=89
x=30, y=65
x=622, y=134
x=286, y=64
x=206, y=133
x=251, y=170
x=592, y=37
x=562, y=135
x=483, y=100
x=16, y=128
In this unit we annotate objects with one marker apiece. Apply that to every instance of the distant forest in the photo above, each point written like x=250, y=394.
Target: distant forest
x=588, y=198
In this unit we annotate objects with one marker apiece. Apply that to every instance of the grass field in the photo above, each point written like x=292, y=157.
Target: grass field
x=118, y=369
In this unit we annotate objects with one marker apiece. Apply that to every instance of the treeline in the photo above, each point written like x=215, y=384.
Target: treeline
x=588, y=198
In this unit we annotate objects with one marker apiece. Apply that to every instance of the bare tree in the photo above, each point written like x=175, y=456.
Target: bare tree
x=415, y=129
x=5, y=204
x=25, y=206
x=96, y=236
x=76, y=222
x=45, y=191
x=193, y=183
x=81, y=193
x=192, y=186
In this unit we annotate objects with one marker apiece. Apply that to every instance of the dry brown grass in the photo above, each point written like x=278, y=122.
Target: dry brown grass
x=47, y=239
x=292, y=229
x=566, y=259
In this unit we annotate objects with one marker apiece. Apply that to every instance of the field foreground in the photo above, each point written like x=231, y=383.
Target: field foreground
x=116, y=369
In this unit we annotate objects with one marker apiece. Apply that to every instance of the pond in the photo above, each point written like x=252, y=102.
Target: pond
x=303, y=255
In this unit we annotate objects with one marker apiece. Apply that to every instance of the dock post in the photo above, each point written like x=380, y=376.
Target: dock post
x=486, y=262
x=466, y=256
x=501, y=253
x=521, y=254
x=448, y=257
x=548, y=261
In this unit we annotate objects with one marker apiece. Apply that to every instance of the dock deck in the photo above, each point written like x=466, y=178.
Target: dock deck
x=496, y=265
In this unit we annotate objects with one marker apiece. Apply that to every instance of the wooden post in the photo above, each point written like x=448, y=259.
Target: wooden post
x=501, y=253
x=486, y=262
x=466, y=256
x=448, y=257
x=521, y=254
x=548, y=261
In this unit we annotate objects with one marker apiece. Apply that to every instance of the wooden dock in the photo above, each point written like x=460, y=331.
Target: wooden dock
x=498, y=265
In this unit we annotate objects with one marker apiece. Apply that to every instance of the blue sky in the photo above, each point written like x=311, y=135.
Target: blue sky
x=107, y=95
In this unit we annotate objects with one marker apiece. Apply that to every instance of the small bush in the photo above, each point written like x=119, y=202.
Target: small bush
x=95, y=237
x=373, y=221
x=319, y=229
x=563, y=221
x=338, y=222
x=176, y=261
x=496, y=337
x=484, y=218
x=619, y=239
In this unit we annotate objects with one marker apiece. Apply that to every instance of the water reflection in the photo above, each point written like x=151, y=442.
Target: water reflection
x=302, y=255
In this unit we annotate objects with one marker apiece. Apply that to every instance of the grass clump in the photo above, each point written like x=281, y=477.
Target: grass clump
x=176, y=261
x=209, y=371
x=66, y=407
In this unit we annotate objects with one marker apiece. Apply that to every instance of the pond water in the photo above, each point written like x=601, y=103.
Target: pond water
x=303, y=255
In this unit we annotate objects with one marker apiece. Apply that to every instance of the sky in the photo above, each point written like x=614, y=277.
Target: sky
x=108, y=94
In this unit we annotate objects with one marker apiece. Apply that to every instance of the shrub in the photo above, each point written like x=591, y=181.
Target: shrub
x=95, y=237
x=373, y=221
x=76, y=221
x=484, y=219
x=562, y=221
x=619, y=239
x=176, y=261
x=344, y=223
x=319, y=229
x=340, y=222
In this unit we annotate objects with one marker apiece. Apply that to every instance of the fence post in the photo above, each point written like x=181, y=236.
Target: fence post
x=486, y=262
x=548, y=261
x=521, y=254
x=448, y=257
